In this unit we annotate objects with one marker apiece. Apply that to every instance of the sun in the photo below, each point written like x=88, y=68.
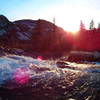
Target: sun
x=71, y=28
x=74, y=32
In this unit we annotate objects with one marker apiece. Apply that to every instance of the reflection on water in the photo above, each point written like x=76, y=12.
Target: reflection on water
x=25, y=78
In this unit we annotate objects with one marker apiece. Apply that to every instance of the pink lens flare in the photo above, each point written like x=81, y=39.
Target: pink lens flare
x=39, y=58
x=21, y=76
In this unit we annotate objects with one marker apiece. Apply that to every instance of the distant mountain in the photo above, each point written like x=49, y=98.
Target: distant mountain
x=33, y=35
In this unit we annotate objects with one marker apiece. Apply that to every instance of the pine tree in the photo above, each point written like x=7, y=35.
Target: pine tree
x=82, y=27
x=91, y=27
x=54, y=20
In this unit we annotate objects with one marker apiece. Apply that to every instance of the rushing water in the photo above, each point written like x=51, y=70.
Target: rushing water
x=25, y=78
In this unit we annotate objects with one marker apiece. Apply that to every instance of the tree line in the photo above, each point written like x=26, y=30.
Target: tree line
x=91, y=25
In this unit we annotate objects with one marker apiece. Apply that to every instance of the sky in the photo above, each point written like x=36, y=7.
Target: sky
x=67, y=13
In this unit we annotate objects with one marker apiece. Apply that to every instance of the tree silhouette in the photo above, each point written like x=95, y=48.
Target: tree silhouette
x=82, y=27
x=91, y=27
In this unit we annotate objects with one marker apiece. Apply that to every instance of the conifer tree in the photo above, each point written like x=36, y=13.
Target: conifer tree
x=82, y=26
x=91, y=27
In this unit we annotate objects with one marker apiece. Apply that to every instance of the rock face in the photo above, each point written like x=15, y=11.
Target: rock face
x=3, y=21
x=33, y=35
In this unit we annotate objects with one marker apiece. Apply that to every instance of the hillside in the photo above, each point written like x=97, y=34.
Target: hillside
x=88, y=40
x=34, y=36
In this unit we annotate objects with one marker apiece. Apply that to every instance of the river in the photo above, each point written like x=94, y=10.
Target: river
x=26, y=78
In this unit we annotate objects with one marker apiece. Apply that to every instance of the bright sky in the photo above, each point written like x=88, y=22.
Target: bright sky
x=67, y=13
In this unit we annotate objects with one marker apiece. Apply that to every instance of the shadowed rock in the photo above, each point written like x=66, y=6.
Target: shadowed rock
x=3, y=21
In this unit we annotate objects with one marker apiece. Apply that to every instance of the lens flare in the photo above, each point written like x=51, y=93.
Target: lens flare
x=21, y=76
x=39, y=58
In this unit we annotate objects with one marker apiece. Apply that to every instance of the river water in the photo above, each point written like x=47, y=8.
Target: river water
x=25, y=78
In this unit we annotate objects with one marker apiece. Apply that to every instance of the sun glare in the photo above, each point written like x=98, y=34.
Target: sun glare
x=65, y=17
x=68, y=17
x=74, y=32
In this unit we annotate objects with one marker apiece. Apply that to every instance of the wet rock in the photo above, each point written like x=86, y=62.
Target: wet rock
x=61, y=64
